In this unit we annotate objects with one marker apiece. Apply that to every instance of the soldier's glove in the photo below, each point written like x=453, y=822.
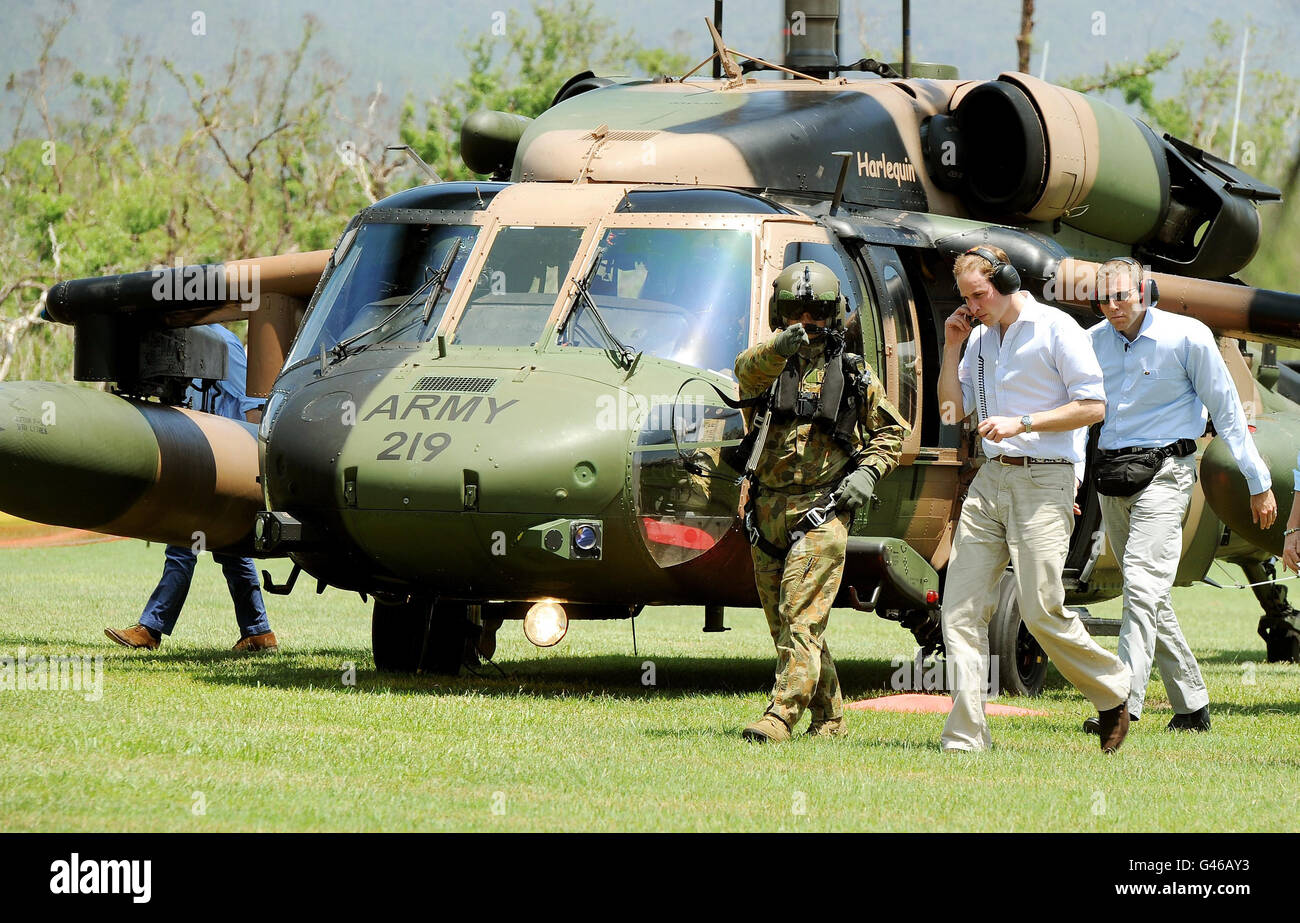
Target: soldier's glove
x=788, y=341
x=857, y=488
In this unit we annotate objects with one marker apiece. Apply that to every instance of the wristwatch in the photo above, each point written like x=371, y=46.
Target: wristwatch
x=1286, y=532
x=1025, y=422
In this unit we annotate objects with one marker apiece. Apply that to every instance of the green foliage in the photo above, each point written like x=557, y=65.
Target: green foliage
x=520, y=69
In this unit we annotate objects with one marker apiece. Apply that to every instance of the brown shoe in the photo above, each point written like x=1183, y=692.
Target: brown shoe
x=831, y=727
x=1113, y=725
x=135, y=636
x=768, y=728
x=253, y=643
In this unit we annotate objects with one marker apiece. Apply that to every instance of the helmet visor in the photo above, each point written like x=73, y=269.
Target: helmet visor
x=816, y=308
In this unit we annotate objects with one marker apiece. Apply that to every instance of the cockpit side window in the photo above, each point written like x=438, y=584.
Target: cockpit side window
x=676, y=293
x=516, y=289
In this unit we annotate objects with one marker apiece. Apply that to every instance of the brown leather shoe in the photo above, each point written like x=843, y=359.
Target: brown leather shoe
x=253, y=643
x=135, y=636
x=1113, y=725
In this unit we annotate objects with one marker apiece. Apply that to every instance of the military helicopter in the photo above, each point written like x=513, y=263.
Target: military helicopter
x=500, y=400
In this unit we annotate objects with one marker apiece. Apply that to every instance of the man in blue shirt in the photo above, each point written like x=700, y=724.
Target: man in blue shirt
x=1162, y=371
x=225, y=398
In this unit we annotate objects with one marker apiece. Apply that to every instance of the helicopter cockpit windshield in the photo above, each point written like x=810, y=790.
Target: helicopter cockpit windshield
x=386, y=266
x=675, y=293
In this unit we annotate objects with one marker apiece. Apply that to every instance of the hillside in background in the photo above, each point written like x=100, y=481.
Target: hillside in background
x=415, y=47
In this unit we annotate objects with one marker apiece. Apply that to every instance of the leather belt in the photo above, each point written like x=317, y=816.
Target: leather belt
x=1182, y=448
x=1020, y=460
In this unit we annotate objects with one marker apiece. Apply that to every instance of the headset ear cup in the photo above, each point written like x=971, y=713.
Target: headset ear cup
x=1152, y=293
x=1006, y=279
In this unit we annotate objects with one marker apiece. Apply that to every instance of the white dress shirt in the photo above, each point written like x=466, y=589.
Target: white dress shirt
x=1160, y=385
x=1044, y=361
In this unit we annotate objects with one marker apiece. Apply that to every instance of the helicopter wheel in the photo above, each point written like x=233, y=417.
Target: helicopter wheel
x=1022, y=663
x=422, y=635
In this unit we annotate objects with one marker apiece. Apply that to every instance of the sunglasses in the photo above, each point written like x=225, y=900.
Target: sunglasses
x=1117, y=296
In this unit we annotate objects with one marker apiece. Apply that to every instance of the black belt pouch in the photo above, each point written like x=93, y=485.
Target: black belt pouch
x=1124, y=475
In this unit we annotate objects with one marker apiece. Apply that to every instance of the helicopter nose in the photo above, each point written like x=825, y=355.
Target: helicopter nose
x=472, y=442
x=432, y=479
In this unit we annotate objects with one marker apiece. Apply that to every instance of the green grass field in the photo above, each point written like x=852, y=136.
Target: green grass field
x=193, y=738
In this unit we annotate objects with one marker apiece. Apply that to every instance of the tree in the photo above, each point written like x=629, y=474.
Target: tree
x=262, y=166
x=1025, y=40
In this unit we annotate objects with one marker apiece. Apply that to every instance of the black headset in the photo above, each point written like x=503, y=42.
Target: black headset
x=1149, y=291
x=1005, y=278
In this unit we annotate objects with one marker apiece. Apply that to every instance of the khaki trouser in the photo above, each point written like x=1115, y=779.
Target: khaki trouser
x=796, y=595
x=1146, y=533
x=1022, y=515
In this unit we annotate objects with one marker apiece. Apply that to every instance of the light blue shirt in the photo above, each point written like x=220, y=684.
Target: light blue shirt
x=1159, y=387
x=229, y=398
x=1043, y=362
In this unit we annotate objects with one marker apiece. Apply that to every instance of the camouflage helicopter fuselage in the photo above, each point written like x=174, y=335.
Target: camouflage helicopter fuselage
x=504, y=391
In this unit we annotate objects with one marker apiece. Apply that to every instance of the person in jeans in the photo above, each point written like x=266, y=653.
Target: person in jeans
x=226, y=398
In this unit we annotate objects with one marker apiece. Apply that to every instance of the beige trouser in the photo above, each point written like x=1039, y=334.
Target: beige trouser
x=1023, y=515
x=1146, y=533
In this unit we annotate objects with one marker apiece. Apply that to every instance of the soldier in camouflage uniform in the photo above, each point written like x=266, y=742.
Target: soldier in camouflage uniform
x=801, y=462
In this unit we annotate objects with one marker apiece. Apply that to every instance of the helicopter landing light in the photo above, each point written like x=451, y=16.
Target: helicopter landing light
x=546, y=623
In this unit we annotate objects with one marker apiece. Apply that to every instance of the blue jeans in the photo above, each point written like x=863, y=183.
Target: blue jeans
x=164, y=606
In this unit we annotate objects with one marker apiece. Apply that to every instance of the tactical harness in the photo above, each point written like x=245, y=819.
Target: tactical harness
x=836, y=408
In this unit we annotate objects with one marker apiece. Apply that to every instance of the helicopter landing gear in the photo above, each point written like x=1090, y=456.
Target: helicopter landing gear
x=1021, y=662
x=1281, y=639
x=1279, y=626
x=423, y=635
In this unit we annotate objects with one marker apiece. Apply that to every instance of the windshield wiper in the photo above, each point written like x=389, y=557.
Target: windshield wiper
x=625, y=355
x=435, y=293
x=435, y=283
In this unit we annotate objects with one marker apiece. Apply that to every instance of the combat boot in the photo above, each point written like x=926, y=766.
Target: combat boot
x=767, y=728
x=830, y=727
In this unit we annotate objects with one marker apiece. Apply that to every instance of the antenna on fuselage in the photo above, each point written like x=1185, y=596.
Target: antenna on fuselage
x=845, y=157
x=729, y=66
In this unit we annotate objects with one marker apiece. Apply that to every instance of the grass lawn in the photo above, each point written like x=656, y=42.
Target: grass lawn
x=192, y=738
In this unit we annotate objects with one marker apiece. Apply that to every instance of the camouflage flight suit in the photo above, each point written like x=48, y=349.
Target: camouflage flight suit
x=798, y=464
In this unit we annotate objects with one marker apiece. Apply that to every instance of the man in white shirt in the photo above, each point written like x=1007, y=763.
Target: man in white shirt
x=1162, y=371
x=1030, y=374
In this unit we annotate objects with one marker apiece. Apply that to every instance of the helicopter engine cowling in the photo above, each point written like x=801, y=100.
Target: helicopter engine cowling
x=1027, y=150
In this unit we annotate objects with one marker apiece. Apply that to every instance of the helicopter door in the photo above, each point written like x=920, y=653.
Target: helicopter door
x=927, y=485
